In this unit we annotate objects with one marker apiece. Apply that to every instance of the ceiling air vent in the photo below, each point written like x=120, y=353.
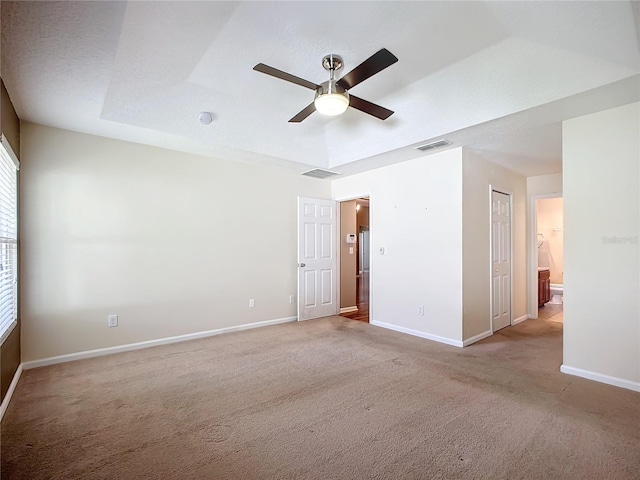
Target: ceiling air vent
x=432, y=145
x=320, y=173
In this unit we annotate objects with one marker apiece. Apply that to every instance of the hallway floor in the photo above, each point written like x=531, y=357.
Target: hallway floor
x=551, y=312
x=362, y=296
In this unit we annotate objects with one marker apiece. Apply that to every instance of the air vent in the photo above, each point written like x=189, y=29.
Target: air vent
x=432, y=145
x=320, y=173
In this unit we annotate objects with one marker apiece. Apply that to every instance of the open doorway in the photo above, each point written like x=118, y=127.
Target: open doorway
x=354, y=259
x=550, y=257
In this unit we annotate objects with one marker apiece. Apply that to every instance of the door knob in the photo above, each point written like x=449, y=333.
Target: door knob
x=302, y=264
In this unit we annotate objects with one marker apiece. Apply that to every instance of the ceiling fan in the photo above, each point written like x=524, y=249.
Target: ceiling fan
x=332, y=97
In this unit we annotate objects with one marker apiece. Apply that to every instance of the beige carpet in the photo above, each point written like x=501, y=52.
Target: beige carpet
x=323, y=399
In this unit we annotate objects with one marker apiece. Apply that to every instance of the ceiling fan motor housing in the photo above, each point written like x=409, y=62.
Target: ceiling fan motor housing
x=331, y=87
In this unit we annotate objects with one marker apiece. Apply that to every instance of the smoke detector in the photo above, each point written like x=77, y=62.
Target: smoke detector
x=205, y=118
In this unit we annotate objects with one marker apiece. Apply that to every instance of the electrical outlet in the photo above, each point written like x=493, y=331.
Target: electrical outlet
x=112, y=320
x=292, y=299
x=420, y=310
x=252, y=303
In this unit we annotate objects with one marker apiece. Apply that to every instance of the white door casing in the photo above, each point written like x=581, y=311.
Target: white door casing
x=317, y=258
x=500, y=260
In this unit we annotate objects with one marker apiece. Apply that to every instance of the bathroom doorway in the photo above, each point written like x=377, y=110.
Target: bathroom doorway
x=550, y=259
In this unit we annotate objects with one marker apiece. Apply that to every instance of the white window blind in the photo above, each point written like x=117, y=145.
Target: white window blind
x=8, y=239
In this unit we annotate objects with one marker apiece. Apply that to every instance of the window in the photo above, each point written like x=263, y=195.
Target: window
x=8, y=239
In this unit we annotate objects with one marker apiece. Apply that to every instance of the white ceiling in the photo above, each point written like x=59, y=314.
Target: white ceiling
x=498, y=77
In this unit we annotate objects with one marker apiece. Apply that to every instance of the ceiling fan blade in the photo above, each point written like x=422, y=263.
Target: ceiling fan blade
x=370, y=108
x=274, y=72
x=372, y=65
x=308, y=110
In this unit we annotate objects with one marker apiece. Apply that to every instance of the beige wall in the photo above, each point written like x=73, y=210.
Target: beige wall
x=362, y=217
x=10, y=348
x=550, y=224
x=347, y=257
x=601, y=189
x=173, y=243
x=478, y=177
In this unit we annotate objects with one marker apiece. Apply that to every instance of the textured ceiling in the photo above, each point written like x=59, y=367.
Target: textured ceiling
x=498, y=77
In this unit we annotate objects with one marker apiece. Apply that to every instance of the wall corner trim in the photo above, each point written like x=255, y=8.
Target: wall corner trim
x=599, y=377
x=477, y=338
x=418, y=333
x=12, y=387
x=150, y=343
x=520, y=319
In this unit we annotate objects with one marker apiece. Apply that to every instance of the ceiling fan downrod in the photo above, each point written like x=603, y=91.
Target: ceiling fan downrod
x=331, y=99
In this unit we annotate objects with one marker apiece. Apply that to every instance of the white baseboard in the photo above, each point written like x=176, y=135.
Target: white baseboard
x=599, y=377
x=417, y=333
x=12, y=387
x=520, y=319
x=150, y=343
x=348, y=309
x=477, y=338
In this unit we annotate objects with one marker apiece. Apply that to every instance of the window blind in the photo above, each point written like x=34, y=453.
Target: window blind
x=8, y=241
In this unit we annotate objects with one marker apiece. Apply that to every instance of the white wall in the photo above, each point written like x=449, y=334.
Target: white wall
x=601, y=158
x=479, y=176
x=173, y=243
x=416, y=215
x=544, y=184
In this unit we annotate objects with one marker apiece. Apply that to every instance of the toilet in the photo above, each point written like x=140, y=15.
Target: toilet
x=556, y=293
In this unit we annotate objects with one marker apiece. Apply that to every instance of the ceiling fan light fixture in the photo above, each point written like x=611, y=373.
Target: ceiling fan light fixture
x=331, y=99
x=331, y=104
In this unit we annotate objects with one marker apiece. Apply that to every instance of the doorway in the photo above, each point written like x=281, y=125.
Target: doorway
x=354, y=259
x=549, y=258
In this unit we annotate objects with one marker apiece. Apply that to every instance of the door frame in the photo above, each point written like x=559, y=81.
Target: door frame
x=508, y=192
x=346, y=199
x=532, y=250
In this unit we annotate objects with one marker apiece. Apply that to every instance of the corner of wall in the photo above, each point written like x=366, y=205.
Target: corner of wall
x=479, y=177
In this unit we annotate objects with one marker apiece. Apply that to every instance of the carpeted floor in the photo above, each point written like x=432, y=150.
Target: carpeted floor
x=323, y=399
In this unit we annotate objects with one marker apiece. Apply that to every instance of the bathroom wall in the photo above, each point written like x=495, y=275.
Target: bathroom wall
x=550, y=253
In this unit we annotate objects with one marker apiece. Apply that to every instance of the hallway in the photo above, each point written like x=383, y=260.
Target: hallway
x=362, y=297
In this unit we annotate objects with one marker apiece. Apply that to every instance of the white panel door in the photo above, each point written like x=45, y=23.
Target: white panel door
x=317, y=261
x=500, y=260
